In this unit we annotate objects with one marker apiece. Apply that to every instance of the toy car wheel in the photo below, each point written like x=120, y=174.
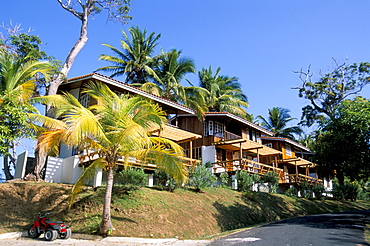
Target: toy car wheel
x=67, y=234
x=32, y=232
x=50, y=235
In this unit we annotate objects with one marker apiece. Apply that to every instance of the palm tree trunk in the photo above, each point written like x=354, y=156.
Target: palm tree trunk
x=106, y=222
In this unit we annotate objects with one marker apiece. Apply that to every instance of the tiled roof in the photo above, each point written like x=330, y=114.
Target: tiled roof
x=240, y=119
x=289, y=141
x=133, y=89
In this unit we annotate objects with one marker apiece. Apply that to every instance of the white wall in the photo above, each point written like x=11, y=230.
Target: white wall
x=20, y=167
x=53, y=172
x=209, y=154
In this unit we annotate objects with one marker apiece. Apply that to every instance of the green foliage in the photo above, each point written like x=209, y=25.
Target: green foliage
x=348, y=190
x=326, y=94
x=164, y=181
x=131, y=178
x=222, y=93
x=334, y=155
x=224, y=177
x=201, y=178
x=305, y=189
x=277, y=123
x=292, y=191
x=272, y=180
x=319, y=191
x=245, y=181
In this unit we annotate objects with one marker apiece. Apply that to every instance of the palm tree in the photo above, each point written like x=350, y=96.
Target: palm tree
x=224, y=93
x=116, y=128
x=171, y=69
x=277, y=123
x=135, y=59
x=18, y=76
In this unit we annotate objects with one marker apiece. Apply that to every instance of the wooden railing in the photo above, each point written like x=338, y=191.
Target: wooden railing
x=188, y=163
x=246, y=165
x=262, y=169
x=299, y=178
x=225, y=135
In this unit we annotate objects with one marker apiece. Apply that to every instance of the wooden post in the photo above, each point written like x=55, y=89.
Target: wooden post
x=191, y=149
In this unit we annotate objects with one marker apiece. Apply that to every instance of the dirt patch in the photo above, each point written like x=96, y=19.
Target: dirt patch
x=21, y=201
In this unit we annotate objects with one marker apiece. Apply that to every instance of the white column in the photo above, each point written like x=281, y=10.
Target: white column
x=150, y=180
x=234, y=182
x=98, y=177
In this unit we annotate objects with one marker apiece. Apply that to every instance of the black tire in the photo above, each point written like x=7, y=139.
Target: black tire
x=67, y=234
x=32, y=232
x=50, y=235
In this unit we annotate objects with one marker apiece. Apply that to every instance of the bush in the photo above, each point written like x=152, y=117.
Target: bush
x=245, y=181
x=272, y=180
x=348, y=191
x=131, y=178
x=201, y=177
x=164, y=181
x=318, y=190
x=292, y=191
x=224, y=177
x=305, y=189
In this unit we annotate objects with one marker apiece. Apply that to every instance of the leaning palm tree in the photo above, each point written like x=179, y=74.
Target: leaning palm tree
x=116, y=128
x=223, y=93
x=277, y=123
x=18, y=76
x=135, y=57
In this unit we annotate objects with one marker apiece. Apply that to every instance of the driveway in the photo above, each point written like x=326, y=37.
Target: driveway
x=339, y=229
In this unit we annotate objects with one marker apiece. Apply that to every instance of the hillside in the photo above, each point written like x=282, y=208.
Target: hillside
x=153, y=213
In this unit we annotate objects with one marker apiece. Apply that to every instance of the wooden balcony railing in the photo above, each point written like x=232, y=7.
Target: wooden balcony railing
x=261, y=169
x=299, y=178
x=188, y=163
x=246, y=165
x=225, y=135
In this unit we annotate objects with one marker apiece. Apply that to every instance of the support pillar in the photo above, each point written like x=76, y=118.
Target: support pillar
x=150, y=180
x=98, y=177
x=234, y=182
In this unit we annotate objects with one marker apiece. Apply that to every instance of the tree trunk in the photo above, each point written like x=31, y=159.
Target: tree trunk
x=106, y=222
x=54, y=84
x=8, y=175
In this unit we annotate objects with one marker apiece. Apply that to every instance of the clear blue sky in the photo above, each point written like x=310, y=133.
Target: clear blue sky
x=260, y=42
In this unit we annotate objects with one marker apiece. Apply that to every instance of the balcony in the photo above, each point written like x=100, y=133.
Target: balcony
x=261, y=169
x=188, y=163
x=299, y=178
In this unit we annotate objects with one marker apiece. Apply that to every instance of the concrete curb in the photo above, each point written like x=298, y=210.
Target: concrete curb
x=130, y=240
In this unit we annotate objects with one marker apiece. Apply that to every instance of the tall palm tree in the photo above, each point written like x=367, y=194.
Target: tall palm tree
x=223, y=93
x=135, y=57
x=171, y=69
x=277, y=123
x=18, y=76
x=116, y=128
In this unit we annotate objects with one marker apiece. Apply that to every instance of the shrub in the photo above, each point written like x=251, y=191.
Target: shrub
x=272, y=180
x=164, y=181
x=318, y=190
x=292, y=191
x=348, y=191
x=245, y=181
x=201, y=177
x=224, y=177
x=131, y=178
x=305, y=189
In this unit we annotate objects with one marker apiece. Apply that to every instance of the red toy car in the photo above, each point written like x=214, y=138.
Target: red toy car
x=50, y=229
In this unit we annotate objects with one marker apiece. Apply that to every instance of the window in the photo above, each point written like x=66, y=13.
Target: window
x=210, y=128
x=85, y=100
x=268, y=145
x=197, y=153
x=205, y=128
x=219, y=129
x=288, y=150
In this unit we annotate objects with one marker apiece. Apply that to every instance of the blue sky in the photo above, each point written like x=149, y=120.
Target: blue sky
x=260, y=42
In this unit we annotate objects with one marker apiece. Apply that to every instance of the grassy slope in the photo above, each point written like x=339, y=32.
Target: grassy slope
x=152, y=213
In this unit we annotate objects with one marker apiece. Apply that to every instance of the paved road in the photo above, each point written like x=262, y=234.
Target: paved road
x=340, y=229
